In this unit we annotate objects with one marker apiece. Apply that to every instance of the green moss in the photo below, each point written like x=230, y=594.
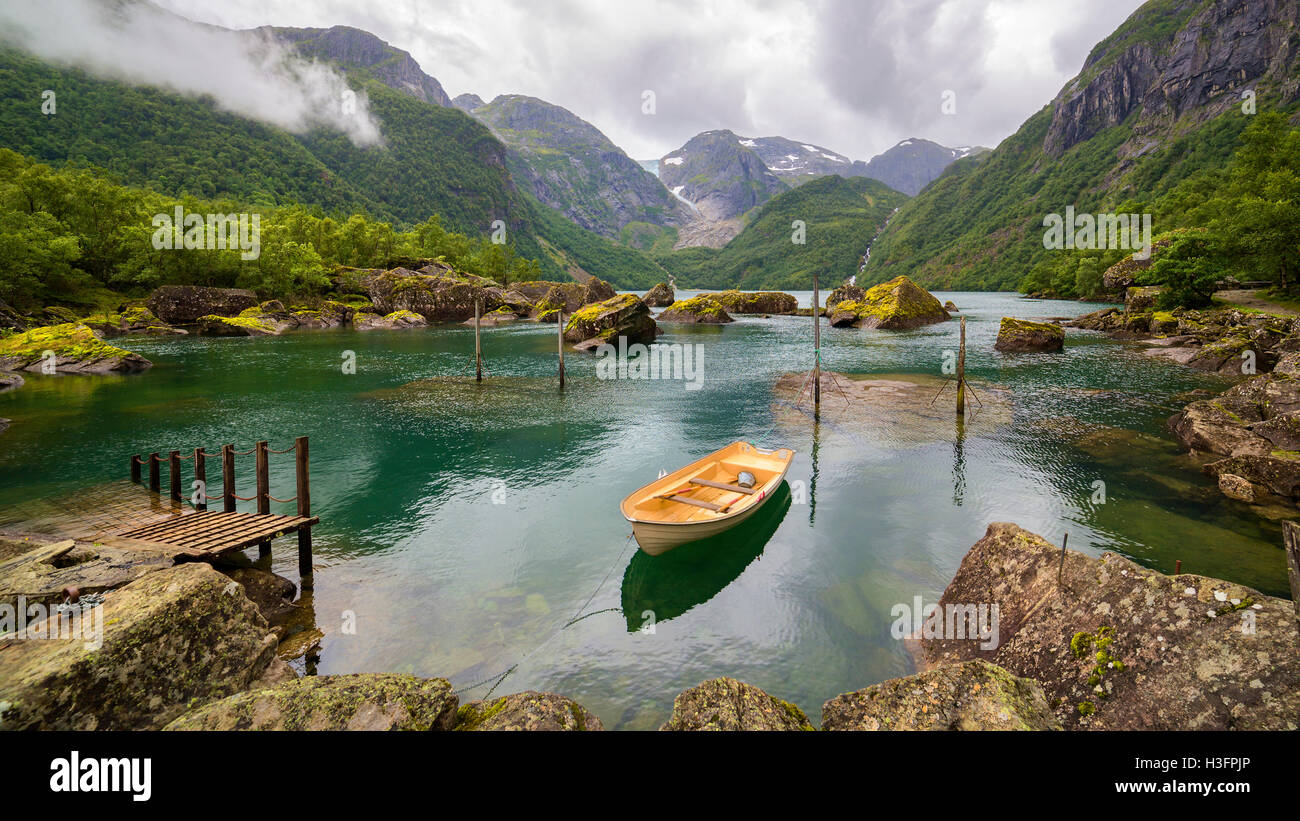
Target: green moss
x=244, y=320
x=72, y=340
x=1087, y=708
x=471, y=717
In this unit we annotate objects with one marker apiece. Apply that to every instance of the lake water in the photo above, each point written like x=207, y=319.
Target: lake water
x=463, y=524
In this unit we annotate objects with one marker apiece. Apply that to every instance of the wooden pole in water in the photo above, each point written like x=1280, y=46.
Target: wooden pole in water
x=174, y=474
x=478, y=347
x=817, y=350
x=228, y=478
x=155, y=484
x=1291, y=538
x=1060, y=570
x=201, y=476
x=961, y=371
x=262, y=455
x=304, y=509
x=135, y=468
x=559, y=331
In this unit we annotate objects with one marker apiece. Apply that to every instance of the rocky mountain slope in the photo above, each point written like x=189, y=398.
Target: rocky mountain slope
x=1156, y=101
x=912, y=164
x=364, y=52
x=719, y=174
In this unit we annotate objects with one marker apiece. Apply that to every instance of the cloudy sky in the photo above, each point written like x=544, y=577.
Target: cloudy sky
x=855, y=76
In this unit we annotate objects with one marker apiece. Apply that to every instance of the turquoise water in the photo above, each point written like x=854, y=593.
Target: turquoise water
x=462, y=524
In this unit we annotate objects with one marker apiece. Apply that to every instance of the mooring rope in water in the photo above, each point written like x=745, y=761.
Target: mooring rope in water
x=497, y=678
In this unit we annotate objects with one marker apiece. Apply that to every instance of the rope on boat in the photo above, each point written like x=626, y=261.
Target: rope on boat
x=497, y=678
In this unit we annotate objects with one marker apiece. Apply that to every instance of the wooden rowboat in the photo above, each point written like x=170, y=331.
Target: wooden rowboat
x=704, y=498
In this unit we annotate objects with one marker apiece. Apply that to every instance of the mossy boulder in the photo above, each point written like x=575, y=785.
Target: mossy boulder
x=975, y=695
x=756, y=302
x=441, y=298
x=845, y=293
x=136, y=320
x=621, y=316
x=75, y=348
x=951, y=307
x=529, y=710
x=11, y=320
x=397, y=320
x=700, y=309
x=1141, y=298
x=567, y=296
x=660, y=296
x=247, y=324
x=186, y=304
x=1021, y=336
x=897, y=305
x=173, y=638
x=361, y=701
x=728, y=704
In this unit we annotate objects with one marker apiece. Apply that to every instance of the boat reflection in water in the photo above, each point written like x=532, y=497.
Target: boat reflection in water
x=671, y=584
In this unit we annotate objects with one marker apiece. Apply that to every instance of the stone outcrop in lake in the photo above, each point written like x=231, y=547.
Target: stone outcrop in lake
x=621, y=316
x=360, y=701
x=185, y=304
x=728, y=704
x=660, y=296
x=73, y=347
x=529, y=710
x=756, y=302
x=272, y=319
x=170, y=638
x=897, y=305
x=442, y=297
x=137, y=320
x=397, y=320
x=699, y=310
x=566, y=296
x=1117, y=646
x=975, y=695
x=1021, y=335
x=845, y=293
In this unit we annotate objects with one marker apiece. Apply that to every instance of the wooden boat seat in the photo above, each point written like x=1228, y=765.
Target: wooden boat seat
x=748, y=491
x=705, y=505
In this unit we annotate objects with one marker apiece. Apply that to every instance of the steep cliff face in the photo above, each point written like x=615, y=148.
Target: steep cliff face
x=912, y=164
x=467, y=102
x=364, y=51
x=719, y=174
x=571, y=166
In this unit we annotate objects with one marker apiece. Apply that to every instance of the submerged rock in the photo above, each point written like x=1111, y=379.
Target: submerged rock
x=1117, y=646
x=975, y=695
x=728, y=704
x=756, y=302
x=700, y=309
x=529, y=710
x=897, y=305
x=169, y=638
x=621, y=316
x=360, y=701
x=73, y=347
x=1021, y=335
x=660, y=296
x=185, y=304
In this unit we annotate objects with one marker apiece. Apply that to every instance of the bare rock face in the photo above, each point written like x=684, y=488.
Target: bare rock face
x=185, y=304
x=169, y=638
x=362, y=701
x=727, y=704
x=529, y=710
x=971, y=696
x=1021, y=335
x=660, y=296
x=1116, y=646
x=622, y=316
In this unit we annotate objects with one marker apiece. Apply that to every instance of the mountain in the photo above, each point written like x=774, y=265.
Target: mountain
x=720, y=175
x=912, y=164
x=467, y=102
x=1157, y=101
x=366, y=55
x=841, y=217
x=569, y=165
x=796, y=162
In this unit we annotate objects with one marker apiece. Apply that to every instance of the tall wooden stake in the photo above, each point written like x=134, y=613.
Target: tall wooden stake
x=817, y=350
x=961, y=371
x=174, y=475
x=559, y=332
x=304, y=509
x=201, y=476
x=1291, y=538
x=228, y=478
x=262, y=455
x=478, y=347
x=154, y=482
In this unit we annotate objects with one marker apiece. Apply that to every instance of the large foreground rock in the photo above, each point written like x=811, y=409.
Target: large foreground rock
x=1116, y=646
x=529, y=710
x=184, y=304
x=170, y=638
x=727, y=704
x=660, y=296
x=565, y=296
x=73, y=347
x=971, y=696
x=897, y=305
x=362, y=701
x=441, y=296
x=622, y=316
x=1021, y=335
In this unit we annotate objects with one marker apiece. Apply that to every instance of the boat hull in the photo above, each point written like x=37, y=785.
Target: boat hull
x=657, y=538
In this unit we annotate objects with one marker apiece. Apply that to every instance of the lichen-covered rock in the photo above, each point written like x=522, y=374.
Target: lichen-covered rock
x=185, y=304
x=1021, y=335
x=971, y=696
x=1117, y=646
x=447, y=297
x=728, y=704
x=73, y=347
x=138, y=320
x=41, y=569
x=272, y=594
x=566, y=296
x=951, y=307
x=660, y=296
x=10, y=381
x=621, y=316
x=170, y=638
x=756, y=302
x=897, y=305
x=1141, y=298
x=397, y=320
x=845, y=293
x=529, y=710
x=361, y=701
x=11, y=320
x=700, y=309
x=250, y=323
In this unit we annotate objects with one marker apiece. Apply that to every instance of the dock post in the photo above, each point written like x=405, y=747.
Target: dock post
x=961, y=371
x=174, y=474
x=155, y=484
x=559, y=331
x=817, y=350
x=262, y=455
x=201, y=476
x=478, y=346
x=228, y=478
x=1291, y=538
x=135, y=468
x=301, y=470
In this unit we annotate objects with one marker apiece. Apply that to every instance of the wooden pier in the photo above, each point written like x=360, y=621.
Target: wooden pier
x=199, y=533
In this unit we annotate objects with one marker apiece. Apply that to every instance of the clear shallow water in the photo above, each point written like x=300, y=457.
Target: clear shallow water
x=464, y=523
